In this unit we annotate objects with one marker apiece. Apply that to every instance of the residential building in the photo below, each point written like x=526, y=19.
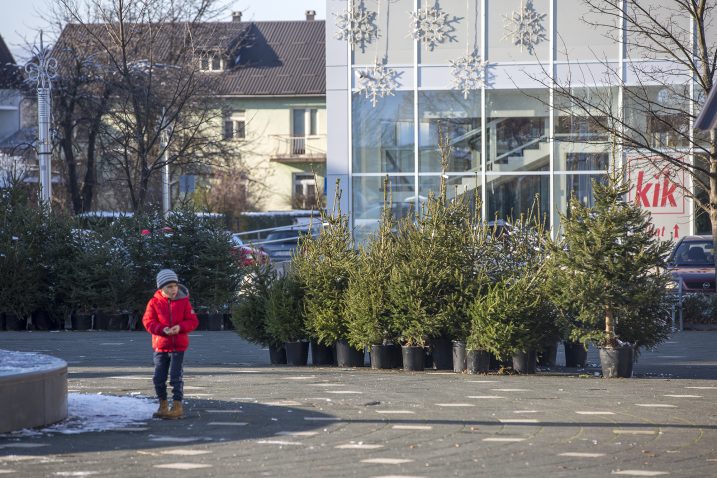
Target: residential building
x=268, y=85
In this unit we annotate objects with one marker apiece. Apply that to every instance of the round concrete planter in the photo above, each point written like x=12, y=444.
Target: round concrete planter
x=33, y=390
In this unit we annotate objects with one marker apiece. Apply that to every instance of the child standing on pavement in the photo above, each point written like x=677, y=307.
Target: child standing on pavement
x=169, y=317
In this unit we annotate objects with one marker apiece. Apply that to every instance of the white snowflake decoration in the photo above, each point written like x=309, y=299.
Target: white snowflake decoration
x=357, y=26
x=430, y=25
x=525, y=28
x=468, y=73
x=377, y=82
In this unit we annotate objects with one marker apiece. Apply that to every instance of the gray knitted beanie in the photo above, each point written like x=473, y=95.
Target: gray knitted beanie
x=166, y=276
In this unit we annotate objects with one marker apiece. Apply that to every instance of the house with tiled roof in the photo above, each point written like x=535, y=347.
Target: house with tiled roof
x=270, y=79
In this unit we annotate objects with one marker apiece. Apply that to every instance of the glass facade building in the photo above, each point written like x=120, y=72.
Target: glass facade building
x=516, y=144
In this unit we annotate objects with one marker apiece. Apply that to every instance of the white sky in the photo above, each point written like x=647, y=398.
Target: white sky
x=21, y=19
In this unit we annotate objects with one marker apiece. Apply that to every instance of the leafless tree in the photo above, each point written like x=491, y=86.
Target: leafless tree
x=136, y=94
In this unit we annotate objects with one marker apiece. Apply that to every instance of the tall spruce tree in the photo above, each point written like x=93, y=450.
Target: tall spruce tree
x=610, y=270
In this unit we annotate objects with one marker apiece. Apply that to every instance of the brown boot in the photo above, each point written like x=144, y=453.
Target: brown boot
x=163, y=409
x=177, y=411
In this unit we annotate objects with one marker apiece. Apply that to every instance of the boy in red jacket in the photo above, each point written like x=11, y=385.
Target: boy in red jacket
x=169, y=318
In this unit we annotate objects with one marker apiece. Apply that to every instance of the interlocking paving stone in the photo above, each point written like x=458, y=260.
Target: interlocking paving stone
x=327, y=436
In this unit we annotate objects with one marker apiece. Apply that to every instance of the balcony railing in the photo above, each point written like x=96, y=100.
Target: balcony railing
x=299, y=148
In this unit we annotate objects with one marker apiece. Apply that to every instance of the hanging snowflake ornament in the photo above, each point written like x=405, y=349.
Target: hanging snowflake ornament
x=357, y=26
x=377, y=82
x=525, y=28
x=468, y=73
x=430, y=25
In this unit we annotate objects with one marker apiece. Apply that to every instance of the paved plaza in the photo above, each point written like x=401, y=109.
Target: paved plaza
x=246, y=418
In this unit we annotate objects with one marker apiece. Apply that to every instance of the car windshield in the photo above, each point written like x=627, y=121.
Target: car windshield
x=283, y=235
x=694, y=254
x=237, y=240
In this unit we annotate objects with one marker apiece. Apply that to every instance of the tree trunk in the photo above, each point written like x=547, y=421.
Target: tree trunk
x=609, y=325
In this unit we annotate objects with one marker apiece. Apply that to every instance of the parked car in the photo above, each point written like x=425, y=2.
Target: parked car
x=281, y=243
x=692, y=264
x=247, y=255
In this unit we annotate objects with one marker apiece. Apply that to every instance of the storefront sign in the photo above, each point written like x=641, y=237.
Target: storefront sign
x=657, y=186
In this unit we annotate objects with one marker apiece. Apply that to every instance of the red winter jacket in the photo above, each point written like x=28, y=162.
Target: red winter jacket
x=162, y=312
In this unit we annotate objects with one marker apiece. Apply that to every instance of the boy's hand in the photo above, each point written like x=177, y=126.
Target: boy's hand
x=175, y=330
x=167, y=331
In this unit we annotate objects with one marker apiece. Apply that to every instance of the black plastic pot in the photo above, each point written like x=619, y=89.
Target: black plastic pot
x=227, y=322
x=41, y=320
x=118, y=322
x=459, y=356
x=525, y=361
x=442, y=353
x=81, y=321
x=2, y=321
x=347, y=356
x=297, y=353
x=478, y=361
x=15, y=323
x=277, y=355
x=100, y=322
x=385, y=357
x=575, y=354
x=321, y=354
x=547, y=356
x=414, y=358
x=617, y=362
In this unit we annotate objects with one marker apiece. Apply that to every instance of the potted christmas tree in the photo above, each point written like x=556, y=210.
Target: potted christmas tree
x=611, y=268
x=285, y=317
x=367, y=307
x=323, y=264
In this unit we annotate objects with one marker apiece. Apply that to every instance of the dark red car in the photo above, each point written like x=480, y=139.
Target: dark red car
x=692, y=263
x=248, y=255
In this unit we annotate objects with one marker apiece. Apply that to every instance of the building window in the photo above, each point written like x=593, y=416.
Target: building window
x=304, y=195
x=305, y=122
x=211, y=61
x=235, y=126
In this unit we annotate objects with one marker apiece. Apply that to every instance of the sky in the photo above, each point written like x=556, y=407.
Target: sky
x=21, y=19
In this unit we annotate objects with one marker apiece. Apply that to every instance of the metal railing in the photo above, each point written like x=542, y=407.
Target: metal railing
x=299, y=146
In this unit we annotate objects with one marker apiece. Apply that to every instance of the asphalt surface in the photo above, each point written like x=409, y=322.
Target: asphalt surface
x=246, y=418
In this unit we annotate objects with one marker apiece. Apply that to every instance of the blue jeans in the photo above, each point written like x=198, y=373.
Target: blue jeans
x=168, y=363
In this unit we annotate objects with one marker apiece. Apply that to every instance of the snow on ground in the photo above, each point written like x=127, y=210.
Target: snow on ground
x=13, y=363
x=97, y=413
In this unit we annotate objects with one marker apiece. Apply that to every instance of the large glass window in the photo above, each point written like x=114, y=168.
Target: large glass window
x=517, y=131
x=383, y=136
x=467, y=188
x=449, y=114
x=566, y=186
x=368, y=201
x=510, y=197
x=582, y=121
x=657, y=116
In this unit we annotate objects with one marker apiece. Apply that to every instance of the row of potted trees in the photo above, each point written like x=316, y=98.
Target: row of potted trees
x=101, y=275
x=492, y=290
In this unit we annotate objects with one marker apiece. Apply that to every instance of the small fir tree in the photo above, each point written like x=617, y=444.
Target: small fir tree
x=367, y=305
x=285, y=318
x=323, y=265
x=249, y=312
x=609, y=269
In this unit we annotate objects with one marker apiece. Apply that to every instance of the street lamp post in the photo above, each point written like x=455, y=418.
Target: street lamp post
x=42, y=70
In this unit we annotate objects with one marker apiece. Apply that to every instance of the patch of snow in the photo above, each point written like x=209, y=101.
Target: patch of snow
x=13, y=363
x=96, y=413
